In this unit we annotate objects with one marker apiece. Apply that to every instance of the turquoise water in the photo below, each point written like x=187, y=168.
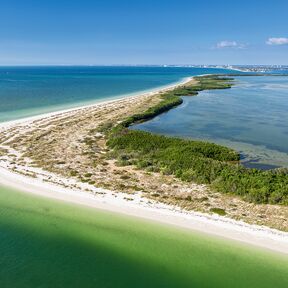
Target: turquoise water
x=251, y=118
x=28, y=91
x=49, y=244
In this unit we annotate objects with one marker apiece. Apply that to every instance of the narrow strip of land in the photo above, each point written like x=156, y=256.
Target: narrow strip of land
x=65, y=155
x=213, y=225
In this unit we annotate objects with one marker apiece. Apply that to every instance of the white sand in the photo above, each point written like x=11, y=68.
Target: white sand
x=137, y=206
x=27, y=120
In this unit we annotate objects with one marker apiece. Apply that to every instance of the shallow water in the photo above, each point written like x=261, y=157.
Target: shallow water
x=28, y=91
x=251, y=118
x=44, y=243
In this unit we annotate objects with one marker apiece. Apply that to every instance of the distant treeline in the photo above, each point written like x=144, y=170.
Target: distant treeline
x=195, y=161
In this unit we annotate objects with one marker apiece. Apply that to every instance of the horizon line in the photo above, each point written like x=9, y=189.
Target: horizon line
x=143, y=65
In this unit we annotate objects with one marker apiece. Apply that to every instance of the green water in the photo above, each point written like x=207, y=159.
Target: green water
x=44, y=243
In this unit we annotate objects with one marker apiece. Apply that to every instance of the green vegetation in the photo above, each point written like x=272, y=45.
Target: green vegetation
x=200, y=162
x=87, y=175
x=172, y=98
x=196, y=161
x=218, y=211
x=73, y=173
x=161, y=147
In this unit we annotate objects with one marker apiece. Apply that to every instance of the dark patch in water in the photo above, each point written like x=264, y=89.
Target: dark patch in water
x=261, y=166
x=220, y=131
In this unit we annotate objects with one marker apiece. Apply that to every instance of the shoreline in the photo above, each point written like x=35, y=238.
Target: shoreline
x=211, y=225
x=228, y=228
x=24, y=120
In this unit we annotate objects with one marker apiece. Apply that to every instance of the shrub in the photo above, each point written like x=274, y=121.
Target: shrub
x=88, y=175
x=196, y=161
x=218, y=211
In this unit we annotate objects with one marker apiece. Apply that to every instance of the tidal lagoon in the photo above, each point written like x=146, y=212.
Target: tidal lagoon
x=251, y=118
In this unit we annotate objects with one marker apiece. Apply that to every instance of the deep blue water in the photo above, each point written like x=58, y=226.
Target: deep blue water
x=251, y=118
x=280, y=71
x=27, y=91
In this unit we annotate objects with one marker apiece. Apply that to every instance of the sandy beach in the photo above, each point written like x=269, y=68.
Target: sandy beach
x=19, y=171
x=214, y=225
x=23, y=121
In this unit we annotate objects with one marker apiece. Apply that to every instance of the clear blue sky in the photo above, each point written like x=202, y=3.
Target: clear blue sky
x=143, y=32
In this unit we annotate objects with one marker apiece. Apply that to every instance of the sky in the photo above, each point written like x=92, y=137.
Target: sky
x=150, y=32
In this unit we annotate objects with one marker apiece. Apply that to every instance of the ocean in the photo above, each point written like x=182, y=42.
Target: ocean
x=29, y=91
